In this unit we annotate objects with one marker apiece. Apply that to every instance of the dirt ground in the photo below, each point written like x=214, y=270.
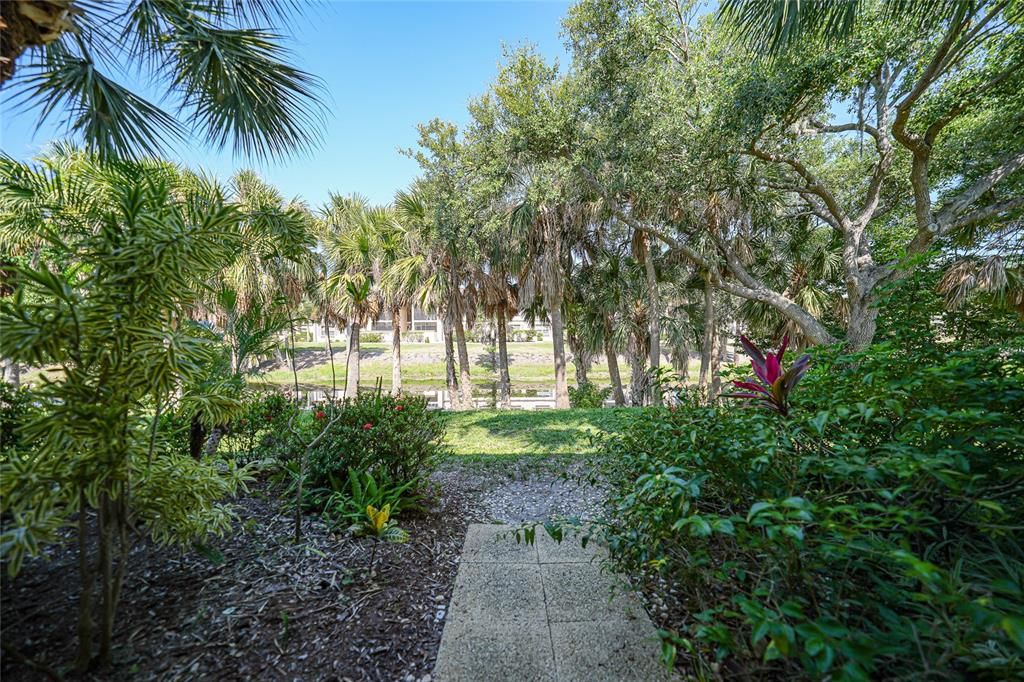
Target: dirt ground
x=257, y=606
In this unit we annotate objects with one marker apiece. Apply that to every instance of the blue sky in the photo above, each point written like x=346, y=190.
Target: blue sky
x=387, y=66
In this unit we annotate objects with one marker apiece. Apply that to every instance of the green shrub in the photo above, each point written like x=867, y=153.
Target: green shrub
x=371, y=337
x=16, y=409
x=587, y=395
x=383, y=435
x=874, y=533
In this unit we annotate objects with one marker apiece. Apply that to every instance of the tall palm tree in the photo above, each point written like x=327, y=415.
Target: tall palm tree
x=350, y=238
x=229, y=82
x=550, y=219
x=394, y=243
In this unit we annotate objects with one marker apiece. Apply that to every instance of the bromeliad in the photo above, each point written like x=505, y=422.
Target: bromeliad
x=771, y=388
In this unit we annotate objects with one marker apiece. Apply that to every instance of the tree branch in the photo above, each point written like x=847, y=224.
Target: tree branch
x=813, y=184
x=750, y=288
x=987, y=212
x=952, y=210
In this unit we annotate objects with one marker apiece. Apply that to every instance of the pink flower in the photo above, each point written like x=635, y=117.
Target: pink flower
x=399, y=408
x=367, y=426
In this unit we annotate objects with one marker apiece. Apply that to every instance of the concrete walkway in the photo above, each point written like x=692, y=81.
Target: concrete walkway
x=541, y=612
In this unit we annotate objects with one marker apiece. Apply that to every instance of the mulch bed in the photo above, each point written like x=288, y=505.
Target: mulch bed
x=256, y=606
x=265, y=609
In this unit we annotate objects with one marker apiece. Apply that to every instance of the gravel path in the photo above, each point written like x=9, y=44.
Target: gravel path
x=524, y=489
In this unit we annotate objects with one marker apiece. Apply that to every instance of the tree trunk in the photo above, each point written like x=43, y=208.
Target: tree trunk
x=717, y=354
x=613, y=364
x=558, y=341
x=709, y=334
x=860, y=329
x=504, y=380
x=105, y=554
x=451, y=378
x=10, y=371
x=86, y=625
x=352, y=365
x=581, y=359
x=466, y=386
x=654, y=311
x=330, y=357
x=682, y=365
x=295, y=367
x=638, y=357
x=212, y=442
x=196, y=437
x=396, y=352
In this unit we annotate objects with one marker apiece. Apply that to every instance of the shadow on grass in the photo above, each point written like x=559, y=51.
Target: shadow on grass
x=532, y=432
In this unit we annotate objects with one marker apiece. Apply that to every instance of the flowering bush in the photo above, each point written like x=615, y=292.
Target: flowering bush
x=377, y=433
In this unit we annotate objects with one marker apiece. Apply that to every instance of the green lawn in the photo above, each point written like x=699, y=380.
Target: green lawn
x=530, y=364
x=486, y=433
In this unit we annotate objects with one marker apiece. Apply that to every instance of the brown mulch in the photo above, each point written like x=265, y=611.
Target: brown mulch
x=257, y=606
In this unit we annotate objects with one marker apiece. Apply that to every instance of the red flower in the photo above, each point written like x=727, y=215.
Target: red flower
x=320, y=414
x=367, y=426
x=399, y=408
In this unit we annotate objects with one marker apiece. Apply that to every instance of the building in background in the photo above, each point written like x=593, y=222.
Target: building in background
x=425, y=327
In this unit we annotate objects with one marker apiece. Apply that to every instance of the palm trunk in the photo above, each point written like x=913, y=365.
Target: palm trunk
x=330, y=357
x=613, y=364
x=464, y=378
x=295, y=368
x=709, y=334
x=352, y=365
x=682, y=365
x=558, y=341
x=451, y=377
x=504, y=381
x=114, y=527
x=654, y=313
x=396, y=352
x=232, y=340
x=638, y=356
x=581, y=359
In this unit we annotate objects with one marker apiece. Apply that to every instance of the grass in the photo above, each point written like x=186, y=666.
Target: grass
x=489, y=433
x=530, y=364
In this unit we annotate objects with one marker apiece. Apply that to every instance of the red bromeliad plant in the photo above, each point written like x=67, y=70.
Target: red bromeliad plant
x=772, y=386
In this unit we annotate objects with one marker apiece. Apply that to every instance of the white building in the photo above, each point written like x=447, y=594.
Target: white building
x=425, y=327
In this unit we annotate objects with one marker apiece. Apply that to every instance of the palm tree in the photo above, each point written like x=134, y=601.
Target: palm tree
x=272, y=270
x=351, y=233
x=771, y=27
x=229, y=83
x=393, y=244
x=550, y=219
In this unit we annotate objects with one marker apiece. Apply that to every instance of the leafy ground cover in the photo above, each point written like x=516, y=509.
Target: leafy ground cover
x=488, y=433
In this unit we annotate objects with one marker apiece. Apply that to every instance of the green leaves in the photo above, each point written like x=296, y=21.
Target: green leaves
x=115, y=319
x=230, y=83
x=852, y=543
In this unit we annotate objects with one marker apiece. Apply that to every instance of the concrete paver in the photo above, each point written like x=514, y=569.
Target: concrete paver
x=542, y=612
